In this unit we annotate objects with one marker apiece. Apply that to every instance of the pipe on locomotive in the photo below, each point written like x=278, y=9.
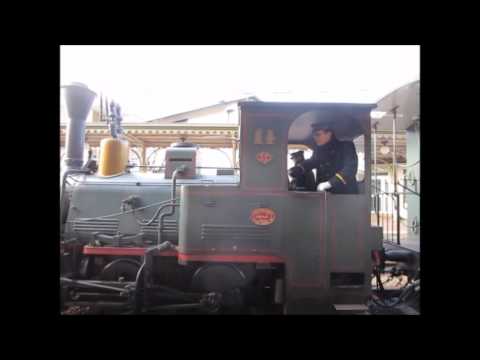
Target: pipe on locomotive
x=146, y=267
x=79, y=99
x=180, y=170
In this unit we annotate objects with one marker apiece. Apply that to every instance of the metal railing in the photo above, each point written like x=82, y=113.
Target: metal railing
x=387, y=209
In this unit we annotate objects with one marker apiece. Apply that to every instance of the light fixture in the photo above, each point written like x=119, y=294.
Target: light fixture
x=384, y=150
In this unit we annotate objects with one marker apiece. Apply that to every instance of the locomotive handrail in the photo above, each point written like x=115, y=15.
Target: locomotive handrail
x=196, y=167
x=155, y=215
x=124, y=212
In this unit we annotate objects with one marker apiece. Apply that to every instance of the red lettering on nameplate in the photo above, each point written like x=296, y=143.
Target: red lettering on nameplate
x=262, y=216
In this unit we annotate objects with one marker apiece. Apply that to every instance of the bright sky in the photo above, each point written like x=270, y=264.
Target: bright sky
x=154, y=81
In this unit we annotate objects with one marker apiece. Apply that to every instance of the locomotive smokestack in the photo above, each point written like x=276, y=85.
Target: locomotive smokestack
x=79, y=99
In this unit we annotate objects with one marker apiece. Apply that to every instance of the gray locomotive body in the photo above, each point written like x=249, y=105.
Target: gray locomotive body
x=318, y=240
x=228, y=241
x=132, y=199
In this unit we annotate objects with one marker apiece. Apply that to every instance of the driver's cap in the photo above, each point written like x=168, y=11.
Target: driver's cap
x=325, y=125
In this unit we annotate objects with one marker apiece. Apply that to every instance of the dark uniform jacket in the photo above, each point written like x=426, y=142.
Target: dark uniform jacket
x=337, y=163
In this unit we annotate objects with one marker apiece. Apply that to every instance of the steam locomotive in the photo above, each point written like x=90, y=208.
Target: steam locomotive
x=181, y=241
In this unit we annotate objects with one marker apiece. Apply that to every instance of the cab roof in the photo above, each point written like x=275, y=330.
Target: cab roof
x=346, y=118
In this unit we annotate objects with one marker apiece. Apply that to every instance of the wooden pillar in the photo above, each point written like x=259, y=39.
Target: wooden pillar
x=143, y=159
x=234, y=153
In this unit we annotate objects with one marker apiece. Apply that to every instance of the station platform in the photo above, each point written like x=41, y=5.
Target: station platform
x=404, y=245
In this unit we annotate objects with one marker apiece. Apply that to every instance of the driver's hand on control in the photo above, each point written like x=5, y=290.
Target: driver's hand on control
x=295, y=171
x=324, y=186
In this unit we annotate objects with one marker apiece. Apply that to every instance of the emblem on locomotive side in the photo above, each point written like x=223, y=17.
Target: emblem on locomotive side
x=262, y=216
x=264, y=157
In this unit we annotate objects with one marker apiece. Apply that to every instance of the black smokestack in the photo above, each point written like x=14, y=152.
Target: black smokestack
x=79, y=99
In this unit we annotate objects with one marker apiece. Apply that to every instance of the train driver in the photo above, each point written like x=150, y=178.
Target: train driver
x=336, y=162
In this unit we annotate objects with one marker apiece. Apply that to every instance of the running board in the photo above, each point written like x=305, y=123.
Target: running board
x=351, y=308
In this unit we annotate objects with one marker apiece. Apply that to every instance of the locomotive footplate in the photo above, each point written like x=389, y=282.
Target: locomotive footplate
x=183, y=257
x=122, y=251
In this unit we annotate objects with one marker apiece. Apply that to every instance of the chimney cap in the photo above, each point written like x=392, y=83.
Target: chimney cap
x=76, y=84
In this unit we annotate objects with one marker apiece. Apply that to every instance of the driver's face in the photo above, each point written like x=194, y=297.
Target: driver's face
x=322, y=137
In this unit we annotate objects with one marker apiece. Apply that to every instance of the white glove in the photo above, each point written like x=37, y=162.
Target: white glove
x=324, y=186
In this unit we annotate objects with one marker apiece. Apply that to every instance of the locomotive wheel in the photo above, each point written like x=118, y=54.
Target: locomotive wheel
x=120, y=268
x=218, y=278
x=227, y=279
